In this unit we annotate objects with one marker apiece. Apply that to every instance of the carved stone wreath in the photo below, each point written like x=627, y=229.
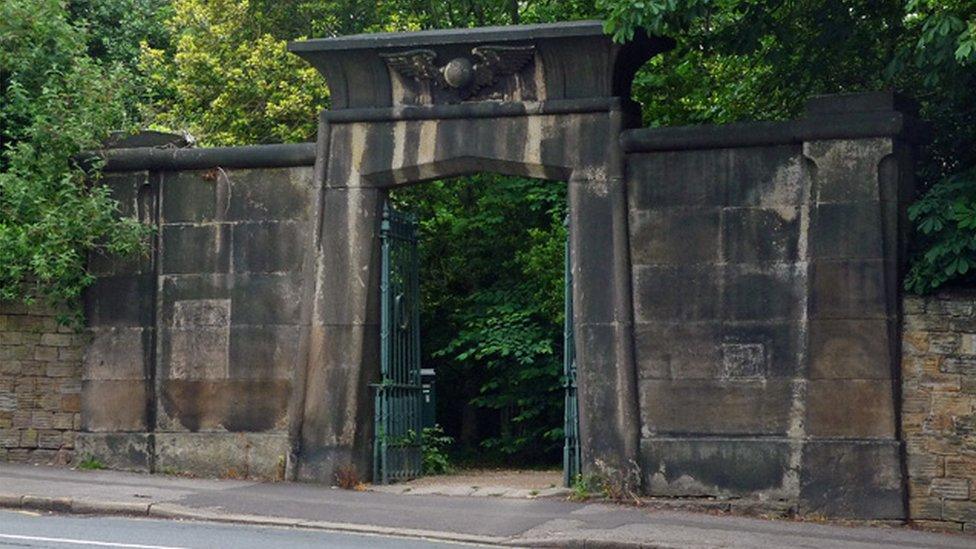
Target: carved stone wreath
x=467, y=77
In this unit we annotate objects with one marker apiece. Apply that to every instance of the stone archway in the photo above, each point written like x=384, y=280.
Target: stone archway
x=543, y=101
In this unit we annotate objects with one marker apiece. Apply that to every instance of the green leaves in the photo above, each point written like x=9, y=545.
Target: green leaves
x=55, y=101
x=492, y=284
x=229, y=82
x=945, y=220
x=435, y=444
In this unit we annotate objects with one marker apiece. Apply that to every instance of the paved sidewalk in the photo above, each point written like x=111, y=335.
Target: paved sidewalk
x=507, y=483
x=518, y=522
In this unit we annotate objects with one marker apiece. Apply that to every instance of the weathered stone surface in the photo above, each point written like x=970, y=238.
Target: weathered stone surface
x=703, y=350
x=715, y=467
x=808, y=264
x=354, y=244
x=761, y=234
x=950, y=488
x=847, y=230
x=763, y=293
x=569, y=60
x=849, y=289
x=850, y=349
x=675, y=236
x=263, y=352
x=120, y=301
x=268, y=247
x=721, y=407
x=247, y=405
x=224, y=455
x=117, y=353
x=337, y=423
x=847, y=170
x=113, y=405
x=196, y=248
x=278, y=195
x=850, y=408
x=685, y=293
x=852, y=479
x=40, y=382
x=194, y=196
x=123, y=451
x=938, y=413
x=755, y=176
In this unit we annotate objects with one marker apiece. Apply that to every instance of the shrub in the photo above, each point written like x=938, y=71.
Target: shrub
x=435, y=444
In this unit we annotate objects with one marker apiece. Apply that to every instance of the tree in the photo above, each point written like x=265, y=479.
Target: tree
x=229, y=82
x=55, y=101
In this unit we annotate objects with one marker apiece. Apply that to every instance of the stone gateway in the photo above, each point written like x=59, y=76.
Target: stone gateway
x=736, y=305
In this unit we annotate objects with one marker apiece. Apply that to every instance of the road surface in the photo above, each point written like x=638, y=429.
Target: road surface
x=28, y=529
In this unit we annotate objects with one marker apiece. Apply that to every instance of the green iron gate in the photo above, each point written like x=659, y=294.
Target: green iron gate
x=571, y=446
x=397, y=453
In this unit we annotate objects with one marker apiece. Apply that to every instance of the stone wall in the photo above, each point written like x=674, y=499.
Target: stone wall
x=939, y=408
x=195, y=345
x=765, y=275
x=40, y=385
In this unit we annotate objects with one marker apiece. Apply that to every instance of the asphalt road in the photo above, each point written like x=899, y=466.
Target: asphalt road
x=22, y=529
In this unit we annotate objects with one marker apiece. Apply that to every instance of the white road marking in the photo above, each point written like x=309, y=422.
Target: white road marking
x=86, y=542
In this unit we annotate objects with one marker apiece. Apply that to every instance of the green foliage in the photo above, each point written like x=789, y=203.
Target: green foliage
x=582, y=488
x=492, y=271
x=435, y=443
x=227, y=81
x=90, y=464
x=117, y=27
x=945, y=219
x=55, y=101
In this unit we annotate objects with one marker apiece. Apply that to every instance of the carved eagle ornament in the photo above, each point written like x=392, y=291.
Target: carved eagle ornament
x=491, y=63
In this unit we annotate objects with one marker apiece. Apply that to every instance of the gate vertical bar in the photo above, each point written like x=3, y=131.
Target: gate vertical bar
x=571, y=447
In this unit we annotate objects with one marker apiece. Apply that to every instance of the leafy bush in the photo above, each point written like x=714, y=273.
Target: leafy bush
x=55, y=101
x=435, y=444
x=945, y=219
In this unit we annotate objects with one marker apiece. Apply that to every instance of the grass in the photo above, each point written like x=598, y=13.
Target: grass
x=90, y=464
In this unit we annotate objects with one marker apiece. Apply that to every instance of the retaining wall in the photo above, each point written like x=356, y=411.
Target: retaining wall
x=40, y=385
x=938, y=395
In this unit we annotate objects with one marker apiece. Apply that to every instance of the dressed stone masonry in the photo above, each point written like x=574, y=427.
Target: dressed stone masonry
x=194, y=346
x=939, y=408
x=767, y=261
x=40, y=384
x=735, y=287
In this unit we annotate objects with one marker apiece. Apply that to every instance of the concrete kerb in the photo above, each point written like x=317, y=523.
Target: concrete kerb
x=575, y=543
x=173, y=511
x=72, y=506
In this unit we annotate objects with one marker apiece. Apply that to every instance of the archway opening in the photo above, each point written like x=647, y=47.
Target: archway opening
x=492, y=321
